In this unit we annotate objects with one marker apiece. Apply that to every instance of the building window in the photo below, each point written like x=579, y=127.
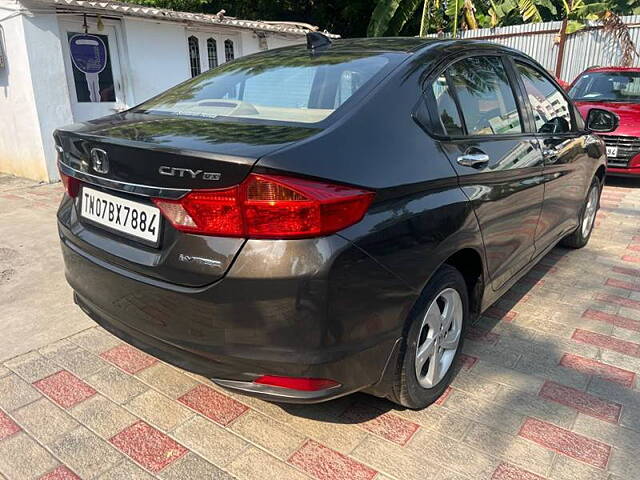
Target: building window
x=228, y=50
x=194, y=56
x=212, y=52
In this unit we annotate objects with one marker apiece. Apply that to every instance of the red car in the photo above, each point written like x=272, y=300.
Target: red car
x=616, y=89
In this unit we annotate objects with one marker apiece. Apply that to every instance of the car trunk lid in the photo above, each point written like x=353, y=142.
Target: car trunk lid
x=157, y=156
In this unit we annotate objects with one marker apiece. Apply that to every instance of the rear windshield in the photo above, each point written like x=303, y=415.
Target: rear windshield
x=607, y=87
x=283, y=86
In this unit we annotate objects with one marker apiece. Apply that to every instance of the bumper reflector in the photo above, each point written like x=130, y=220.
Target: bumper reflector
x=297, y=383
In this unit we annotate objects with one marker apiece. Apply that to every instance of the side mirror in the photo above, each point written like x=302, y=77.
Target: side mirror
x=602, y=121
x=555, y=125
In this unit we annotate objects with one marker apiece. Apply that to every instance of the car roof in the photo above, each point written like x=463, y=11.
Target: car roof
x=398, y=45
x=612, y=69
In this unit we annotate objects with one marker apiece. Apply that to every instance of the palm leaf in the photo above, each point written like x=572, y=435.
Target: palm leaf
x=453, y=12
x=381, y=16
x=404, y=12
x=529, y=11
x=574, y=26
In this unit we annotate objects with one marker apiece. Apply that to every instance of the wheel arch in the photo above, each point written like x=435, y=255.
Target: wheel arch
x=469, y=262
x=600, y=173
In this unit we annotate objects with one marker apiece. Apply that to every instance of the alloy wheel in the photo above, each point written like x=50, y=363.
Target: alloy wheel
x=590, y=211
x=439, y=338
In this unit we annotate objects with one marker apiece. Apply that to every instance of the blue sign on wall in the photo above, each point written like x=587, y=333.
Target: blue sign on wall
x=89, y=55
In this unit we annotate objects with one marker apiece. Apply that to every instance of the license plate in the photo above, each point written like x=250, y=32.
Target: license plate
x=612, y=152
x=120, y=215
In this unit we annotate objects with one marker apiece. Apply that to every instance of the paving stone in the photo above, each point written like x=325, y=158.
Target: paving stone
x=191, y=466
x=80, y=362
x=587, y=366
x=582, y=401
x=209, y=440
x=128, y=358
x=57, y=348
x=338, y=436
x=95, y=340
x=148, y=446
x=445, y=475
x=568, y=443
x=126, y=470
x=7, y=426
x=44, y=420
x=22, y=458
x=475, y=385
x=15, y=393
x=32, y=366
x=506, y=471
x=4, y=371
x=442, y=420
x=271, y=435
x=452, y=454
x=85, y=453
x=376, y=452
x=565, y=468
x=102, y=416
x=384, y=424
x=625, y=462
x=212, y=404
x=116, y=385
x=534, y=406
x=65, y=389
x=496, y=414
x=510, y=377
x=515, y=450
x=61, y=472
x=322, y=463
x=158, y=410
x=167, y=379
x=547, y=368
x=607, y=342
x=254, y=464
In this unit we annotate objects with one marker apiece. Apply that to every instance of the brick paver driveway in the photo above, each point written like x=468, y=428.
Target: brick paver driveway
x=547, y=387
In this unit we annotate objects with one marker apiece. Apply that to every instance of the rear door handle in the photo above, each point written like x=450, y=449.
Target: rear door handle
x=473, y=160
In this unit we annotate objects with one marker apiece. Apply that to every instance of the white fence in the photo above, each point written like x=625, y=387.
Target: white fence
x=541, y=41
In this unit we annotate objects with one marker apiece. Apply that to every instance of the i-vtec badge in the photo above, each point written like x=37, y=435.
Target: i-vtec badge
x=189, y=173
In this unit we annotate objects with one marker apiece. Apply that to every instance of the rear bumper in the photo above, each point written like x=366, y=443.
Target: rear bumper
x=322, y=322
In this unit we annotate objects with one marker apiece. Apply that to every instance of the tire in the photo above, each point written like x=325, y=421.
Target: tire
x=408, y=389
x=580, y=237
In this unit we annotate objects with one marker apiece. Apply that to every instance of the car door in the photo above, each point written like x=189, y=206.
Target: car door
x=563, y=149
x=481, y=125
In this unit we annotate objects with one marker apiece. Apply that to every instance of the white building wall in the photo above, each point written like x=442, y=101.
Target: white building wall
x=49, y=82
x=21, y=151
x=155, y=58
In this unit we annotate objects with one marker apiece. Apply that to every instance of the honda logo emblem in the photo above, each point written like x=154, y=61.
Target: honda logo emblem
x=99, y=160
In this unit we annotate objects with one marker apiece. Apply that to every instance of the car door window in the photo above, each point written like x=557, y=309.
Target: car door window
x=551, y=110
x=485, y=96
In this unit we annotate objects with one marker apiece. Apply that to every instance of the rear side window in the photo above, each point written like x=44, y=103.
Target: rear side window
x=550, y=108
x=282, y=86
x=447, y=111
x=485, y=96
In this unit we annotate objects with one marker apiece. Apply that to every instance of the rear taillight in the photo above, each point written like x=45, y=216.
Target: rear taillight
x=71, y=185
x=269, y=206
x=297, y=383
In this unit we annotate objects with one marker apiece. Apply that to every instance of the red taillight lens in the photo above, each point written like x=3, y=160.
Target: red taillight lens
x=71, y=185
x=269, y=206
x=297, y=383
